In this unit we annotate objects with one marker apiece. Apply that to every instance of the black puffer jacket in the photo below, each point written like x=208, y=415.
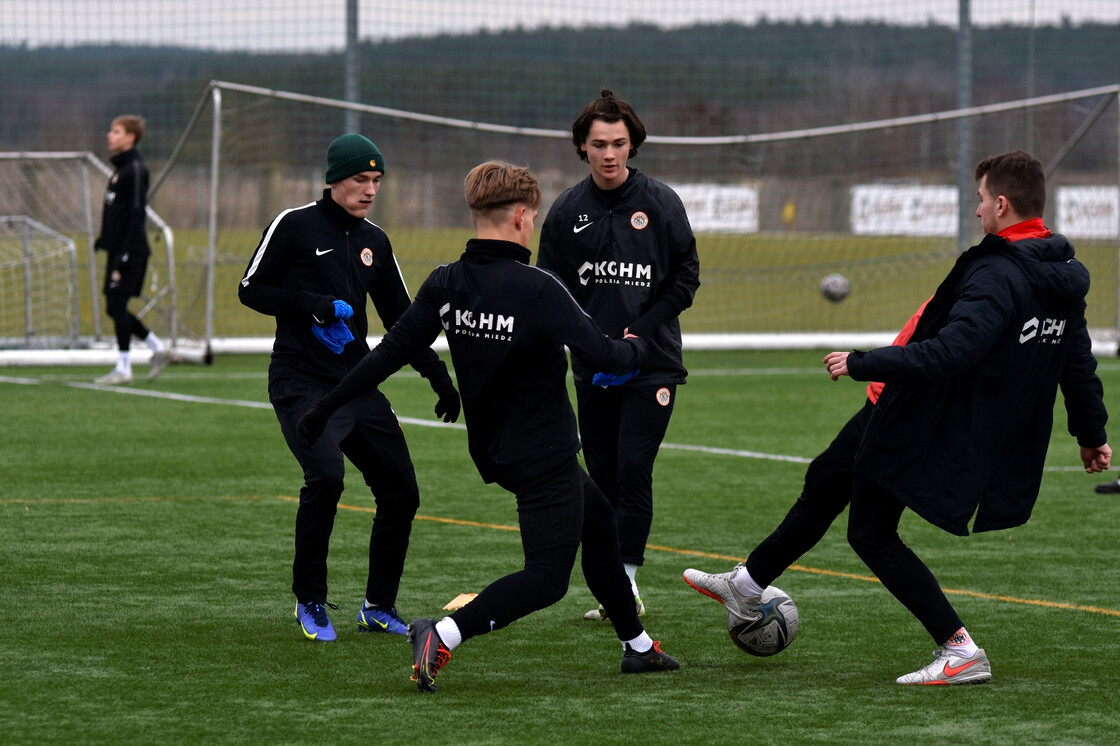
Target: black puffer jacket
x=965, y=419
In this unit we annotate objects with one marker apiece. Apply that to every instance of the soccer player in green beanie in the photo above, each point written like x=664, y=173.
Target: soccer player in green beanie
x=313, y=269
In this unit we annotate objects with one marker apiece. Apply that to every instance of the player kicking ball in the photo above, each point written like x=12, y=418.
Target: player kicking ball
x=945, y=431
x=507, y=324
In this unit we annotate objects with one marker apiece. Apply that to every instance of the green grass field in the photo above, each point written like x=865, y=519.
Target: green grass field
x=752, y=283
x=145, y=544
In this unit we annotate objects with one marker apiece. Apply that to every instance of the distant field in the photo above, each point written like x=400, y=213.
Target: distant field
x=750, y=283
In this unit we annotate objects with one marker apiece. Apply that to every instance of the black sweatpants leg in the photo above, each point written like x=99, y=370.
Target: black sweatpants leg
x=873, y=533
x=367, y=431
x=825, y=494
x=621, y=429
x=125, y=324
x=555, y=511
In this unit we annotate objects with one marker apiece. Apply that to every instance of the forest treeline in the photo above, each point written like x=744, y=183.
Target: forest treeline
x=699, y=80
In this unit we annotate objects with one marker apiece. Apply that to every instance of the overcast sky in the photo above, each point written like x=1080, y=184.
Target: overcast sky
x=300, y=25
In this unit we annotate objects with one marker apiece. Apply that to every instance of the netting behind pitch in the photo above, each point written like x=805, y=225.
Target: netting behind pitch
x=773, y=214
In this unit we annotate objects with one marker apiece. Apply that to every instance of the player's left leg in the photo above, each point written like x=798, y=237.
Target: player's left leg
x=643, y=419
x=377, y=447
x=873, y=519
x=550, y=516
x=602, y=569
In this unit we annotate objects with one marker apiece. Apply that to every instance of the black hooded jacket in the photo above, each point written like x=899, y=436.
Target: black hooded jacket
x=507, y=324
x=629, y=258
x=966, y=416
x=309, y=256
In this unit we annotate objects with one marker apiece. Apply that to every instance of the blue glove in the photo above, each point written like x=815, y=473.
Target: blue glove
x=342, y=310
x=610, y=379
x=335, y=336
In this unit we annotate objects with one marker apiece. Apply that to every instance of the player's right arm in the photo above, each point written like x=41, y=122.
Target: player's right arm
x=414, y=331
x=579, y=332
x=267, y=285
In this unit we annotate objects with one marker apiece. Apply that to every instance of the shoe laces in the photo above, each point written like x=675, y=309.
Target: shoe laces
x=442, y=656
x=317, y=613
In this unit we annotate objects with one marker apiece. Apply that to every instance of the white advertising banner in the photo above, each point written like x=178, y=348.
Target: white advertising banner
x=1089, y=211
x=904, y=210
x=720, y=208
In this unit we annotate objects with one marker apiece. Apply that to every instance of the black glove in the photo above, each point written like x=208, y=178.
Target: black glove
x=311, y=426
x=448, y=405
x=324, y=310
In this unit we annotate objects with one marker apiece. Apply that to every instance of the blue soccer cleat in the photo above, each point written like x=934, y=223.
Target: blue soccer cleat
x=378, y=619
x=314, y=622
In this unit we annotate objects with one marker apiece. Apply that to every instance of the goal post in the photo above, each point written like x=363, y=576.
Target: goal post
x=59, y=194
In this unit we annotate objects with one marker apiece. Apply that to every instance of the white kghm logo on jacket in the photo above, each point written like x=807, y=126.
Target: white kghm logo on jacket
x=1049, y=331
x=481, y=325
x=610, y=272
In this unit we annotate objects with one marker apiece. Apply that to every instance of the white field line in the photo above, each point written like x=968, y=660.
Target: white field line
x=714, y=450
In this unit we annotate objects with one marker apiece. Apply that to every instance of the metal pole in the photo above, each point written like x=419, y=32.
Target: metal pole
x=95, y=302
x=964, y=126
x=28, y=329
x=353, y=118
x=212, y=248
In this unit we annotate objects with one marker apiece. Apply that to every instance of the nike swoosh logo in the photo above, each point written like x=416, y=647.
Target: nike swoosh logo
x=320, y=253
x=578, y=228
x=378, y=622
x=951, y=671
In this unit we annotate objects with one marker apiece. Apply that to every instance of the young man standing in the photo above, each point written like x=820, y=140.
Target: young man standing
x=621, y=243
x=125, y=240
x=313, y=270
x=507, y=324
x=963, y=422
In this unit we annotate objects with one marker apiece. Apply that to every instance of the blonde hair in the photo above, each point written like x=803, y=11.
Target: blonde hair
x=132, y=124
x=496, y=185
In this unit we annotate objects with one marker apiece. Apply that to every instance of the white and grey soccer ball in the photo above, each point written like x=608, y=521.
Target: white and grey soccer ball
x=835, y=287
x=772, y=630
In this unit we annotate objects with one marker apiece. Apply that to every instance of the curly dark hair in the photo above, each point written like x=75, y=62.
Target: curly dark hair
x=610, y=110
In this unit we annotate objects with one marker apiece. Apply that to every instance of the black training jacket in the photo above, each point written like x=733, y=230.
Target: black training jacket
x=124, y=234
x=507, y=324
x=316, y=253
x=633, y=265
x=965, y=419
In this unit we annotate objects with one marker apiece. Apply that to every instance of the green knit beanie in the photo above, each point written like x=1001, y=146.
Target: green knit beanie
x=351, y=154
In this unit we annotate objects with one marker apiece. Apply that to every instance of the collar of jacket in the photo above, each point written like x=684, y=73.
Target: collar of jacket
x=125, y=157
x=490, y=249
x=619, y=195
x=1033, y=228
x=336, y=213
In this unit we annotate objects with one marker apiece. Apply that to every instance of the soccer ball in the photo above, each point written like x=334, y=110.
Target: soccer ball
x=770, y=633
x=835, y=287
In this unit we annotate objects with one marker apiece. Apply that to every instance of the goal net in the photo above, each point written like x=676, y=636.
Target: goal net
x=888, y=204
x=50, y=214
x=39, y=284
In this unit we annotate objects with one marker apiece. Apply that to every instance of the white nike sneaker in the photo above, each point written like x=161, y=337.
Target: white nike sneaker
x=159, y=362
x=720, y=587
x=114, y=378
x=949, y=667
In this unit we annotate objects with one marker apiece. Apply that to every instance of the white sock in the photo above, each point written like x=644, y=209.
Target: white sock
x=632, y=572
x=962, y=643
x=448, y=631
x=640, y=644
x=154, y=342
x=745, y=584
x=124, y=362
